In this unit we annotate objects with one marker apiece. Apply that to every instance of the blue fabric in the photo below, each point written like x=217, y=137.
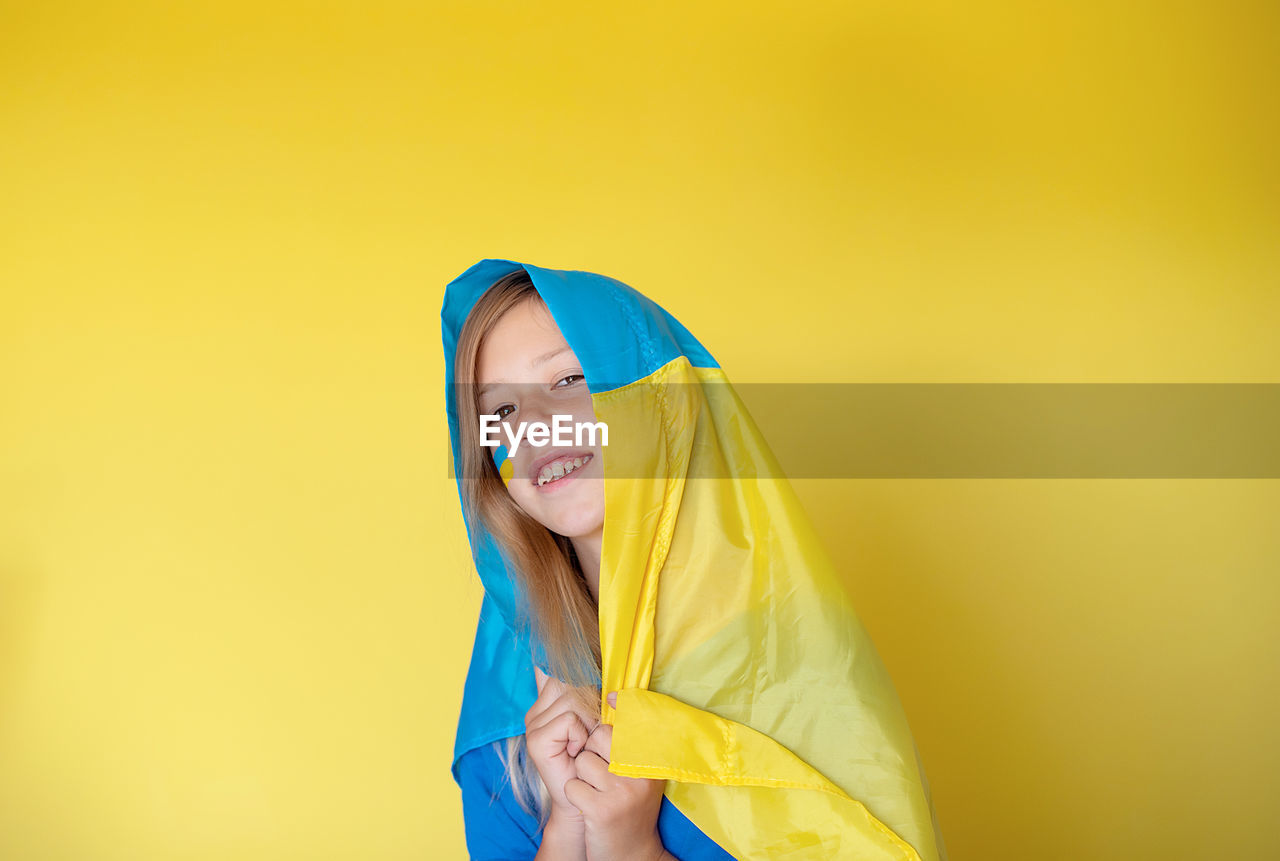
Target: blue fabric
x=619, y=336
x=498, y=828
x=500, y=684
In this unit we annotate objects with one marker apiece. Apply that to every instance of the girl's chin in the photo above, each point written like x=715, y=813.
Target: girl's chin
x=567, y=513
x=573, y=526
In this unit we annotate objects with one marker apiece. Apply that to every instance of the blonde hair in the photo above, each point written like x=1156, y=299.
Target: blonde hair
x=560, y=609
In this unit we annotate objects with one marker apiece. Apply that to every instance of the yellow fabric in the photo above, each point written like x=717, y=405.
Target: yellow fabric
x=744, y=675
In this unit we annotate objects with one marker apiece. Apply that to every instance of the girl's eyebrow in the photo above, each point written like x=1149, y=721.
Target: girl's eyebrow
x=538, y=360
x=546, y=357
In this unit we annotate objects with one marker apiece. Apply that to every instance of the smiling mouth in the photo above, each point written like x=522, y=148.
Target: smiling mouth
x=561, y=467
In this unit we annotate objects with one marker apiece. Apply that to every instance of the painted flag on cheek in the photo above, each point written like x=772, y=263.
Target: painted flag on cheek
x=744, y=677
x=502, y=460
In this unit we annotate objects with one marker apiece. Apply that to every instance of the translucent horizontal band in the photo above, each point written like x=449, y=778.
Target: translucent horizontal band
x=984, y=430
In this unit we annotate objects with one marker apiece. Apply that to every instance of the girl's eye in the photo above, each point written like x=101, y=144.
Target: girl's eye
x=503, y=411
x=568, y=380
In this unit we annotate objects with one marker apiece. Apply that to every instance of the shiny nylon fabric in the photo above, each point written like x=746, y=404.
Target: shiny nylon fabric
x=744, y=676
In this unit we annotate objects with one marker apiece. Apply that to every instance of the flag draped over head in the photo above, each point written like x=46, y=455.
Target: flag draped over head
x=744, y=676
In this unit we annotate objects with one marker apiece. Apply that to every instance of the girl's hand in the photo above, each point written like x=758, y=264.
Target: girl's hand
x=620, y=813
x=554, y=735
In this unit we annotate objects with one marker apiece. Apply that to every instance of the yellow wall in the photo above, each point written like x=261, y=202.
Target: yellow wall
x=235, y=602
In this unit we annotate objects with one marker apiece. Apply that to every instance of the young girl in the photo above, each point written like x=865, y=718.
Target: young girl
x=664, y=666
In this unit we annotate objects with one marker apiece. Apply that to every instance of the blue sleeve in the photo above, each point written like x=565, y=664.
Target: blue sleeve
x=685, y=840
x=497, y=827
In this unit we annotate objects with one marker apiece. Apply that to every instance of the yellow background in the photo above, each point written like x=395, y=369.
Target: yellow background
x=235, y=596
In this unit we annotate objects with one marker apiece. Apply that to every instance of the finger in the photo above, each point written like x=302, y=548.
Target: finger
x=613, y=699
x=600, y=742
x=579, y=732
x=556, y=704
x=592, y=769
x=540, y=703
x=551, y=689
x=566, y=702
x=564, y=730
x=540, y=678
x=581, y=794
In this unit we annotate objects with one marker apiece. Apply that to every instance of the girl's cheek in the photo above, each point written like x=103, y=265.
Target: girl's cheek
x=521, y=496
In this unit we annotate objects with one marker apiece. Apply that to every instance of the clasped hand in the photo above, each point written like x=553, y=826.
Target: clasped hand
x=616, y=816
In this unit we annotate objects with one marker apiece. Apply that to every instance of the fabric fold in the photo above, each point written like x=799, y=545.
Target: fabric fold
x=663, y=738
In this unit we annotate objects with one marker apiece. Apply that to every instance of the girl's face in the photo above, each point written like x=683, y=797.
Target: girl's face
x=526, y=372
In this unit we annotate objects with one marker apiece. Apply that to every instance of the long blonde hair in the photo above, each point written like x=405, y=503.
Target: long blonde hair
x=560, y=609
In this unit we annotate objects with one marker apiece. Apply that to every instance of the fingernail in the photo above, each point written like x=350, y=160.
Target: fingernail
x=613, y=700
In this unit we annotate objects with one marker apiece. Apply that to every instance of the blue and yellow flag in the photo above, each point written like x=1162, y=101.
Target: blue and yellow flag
x=744, y=676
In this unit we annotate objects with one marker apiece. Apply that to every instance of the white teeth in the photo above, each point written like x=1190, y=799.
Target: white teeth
x=560, y=469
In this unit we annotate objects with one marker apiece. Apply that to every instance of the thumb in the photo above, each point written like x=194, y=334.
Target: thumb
x=539, y=677
x=577, y=738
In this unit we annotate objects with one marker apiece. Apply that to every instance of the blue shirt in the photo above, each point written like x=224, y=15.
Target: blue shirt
x=499, y=829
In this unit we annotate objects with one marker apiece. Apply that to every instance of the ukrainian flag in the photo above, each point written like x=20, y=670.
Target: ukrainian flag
x=744, y=676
